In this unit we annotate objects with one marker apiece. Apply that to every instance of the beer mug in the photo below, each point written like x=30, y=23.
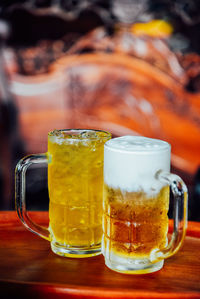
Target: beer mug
x=75, y=185
x=137, y=183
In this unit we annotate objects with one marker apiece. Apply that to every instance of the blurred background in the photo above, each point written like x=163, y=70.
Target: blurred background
x=129, y=67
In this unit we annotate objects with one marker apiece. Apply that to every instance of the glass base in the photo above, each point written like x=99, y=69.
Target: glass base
x=75, y=252
x=134, y=266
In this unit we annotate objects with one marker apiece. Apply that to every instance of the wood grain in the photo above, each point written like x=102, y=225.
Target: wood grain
x=30, y=269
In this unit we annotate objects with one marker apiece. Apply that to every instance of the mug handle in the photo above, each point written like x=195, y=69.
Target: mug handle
x=20, y=193
x=180, y=195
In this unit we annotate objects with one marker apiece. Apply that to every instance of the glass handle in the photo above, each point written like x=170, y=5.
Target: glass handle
x=180, y=195
x=20, y=193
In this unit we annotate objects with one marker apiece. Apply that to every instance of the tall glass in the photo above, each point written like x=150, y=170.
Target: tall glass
x=137, y=181
x=75, y=184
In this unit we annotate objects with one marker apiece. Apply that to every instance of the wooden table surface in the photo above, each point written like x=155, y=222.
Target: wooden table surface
x=29, y=269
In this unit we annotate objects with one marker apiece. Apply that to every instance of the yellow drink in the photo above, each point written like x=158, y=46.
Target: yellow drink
x=75, y=180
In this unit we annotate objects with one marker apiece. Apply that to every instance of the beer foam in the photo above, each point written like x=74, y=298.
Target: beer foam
x=131, y=163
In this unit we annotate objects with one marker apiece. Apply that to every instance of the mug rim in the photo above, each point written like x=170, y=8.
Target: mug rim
x=110, y=145
x=57, y=133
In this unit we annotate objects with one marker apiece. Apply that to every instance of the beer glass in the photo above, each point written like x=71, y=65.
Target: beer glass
x=75, y=185
x=137, y=184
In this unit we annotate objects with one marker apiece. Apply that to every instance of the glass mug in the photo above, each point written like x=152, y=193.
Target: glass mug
x=75, y=185
x=137, y=181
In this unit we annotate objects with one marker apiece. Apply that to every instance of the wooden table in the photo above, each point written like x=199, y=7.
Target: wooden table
x=28, y=269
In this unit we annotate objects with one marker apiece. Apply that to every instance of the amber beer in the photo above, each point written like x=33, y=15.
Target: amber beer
x=136, y=204
x=75, y=183
x=134, y=223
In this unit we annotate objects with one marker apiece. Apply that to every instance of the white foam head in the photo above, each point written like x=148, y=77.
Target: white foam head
x=131, y=162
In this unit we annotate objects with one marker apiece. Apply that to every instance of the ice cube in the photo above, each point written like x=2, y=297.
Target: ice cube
x=88, y=134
